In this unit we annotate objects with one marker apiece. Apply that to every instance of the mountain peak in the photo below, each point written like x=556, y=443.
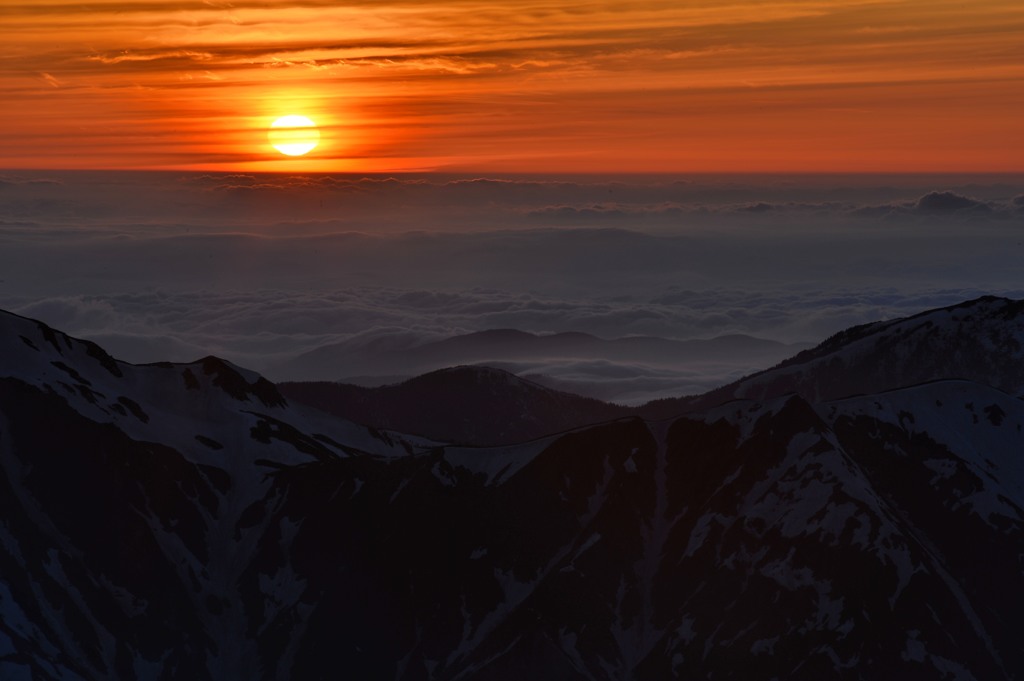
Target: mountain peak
x=241, y=383
x=470, y=404
x=468, y=373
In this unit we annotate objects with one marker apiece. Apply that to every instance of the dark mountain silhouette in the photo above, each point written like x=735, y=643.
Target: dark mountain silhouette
x=191, y=521
x=468, y=405
x=389, y=357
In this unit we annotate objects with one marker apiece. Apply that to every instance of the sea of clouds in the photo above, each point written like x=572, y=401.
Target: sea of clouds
x=262, y=270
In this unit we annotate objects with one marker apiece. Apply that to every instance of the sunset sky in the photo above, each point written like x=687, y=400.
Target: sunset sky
x=519, y=86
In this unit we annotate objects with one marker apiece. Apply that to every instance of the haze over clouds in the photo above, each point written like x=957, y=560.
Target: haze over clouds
x=260, y=270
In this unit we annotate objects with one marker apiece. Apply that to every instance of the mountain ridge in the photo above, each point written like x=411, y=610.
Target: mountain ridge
x=397, y=406
x=992, y=356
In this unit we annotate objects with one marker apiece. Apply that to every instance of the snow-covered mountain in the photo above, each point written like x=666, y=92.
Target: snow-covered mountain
x=126, y=497
x=185, y=521
x=981, y=340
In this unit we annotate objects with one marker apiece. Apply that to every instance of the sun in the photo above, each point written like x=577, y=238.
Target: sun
x=294, y=135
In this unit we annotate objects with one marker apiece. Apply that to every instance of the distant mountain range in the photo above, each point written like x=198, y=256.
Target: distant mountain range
x=856, y=512
x=619, y=369
x=385, y=356
x=466, y=405
x=488, y=406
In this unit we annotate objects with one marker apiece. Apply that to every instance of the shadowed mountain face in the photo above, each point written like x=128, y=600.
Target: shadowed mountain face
x=185, y=521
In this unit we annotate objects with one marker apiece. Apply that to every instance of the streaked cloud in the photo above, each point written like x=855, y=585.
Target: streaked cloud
x=653, y=85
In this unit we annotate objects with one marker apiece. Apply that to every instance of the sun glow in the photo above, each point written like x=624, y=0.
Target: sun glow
x=523, y=86
x=294, y=135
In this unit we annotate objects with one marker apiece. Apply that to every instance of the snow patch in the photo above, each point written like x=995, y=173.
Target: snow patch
x=764, y=646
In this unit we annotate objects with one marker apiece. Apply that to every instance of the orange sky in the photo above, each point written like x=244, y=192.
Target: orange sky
x=523, y=85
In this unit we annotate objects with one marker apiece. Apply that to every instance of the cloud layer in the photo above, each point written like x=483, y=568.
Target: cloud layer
x=642, y=86
x=260, y=270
